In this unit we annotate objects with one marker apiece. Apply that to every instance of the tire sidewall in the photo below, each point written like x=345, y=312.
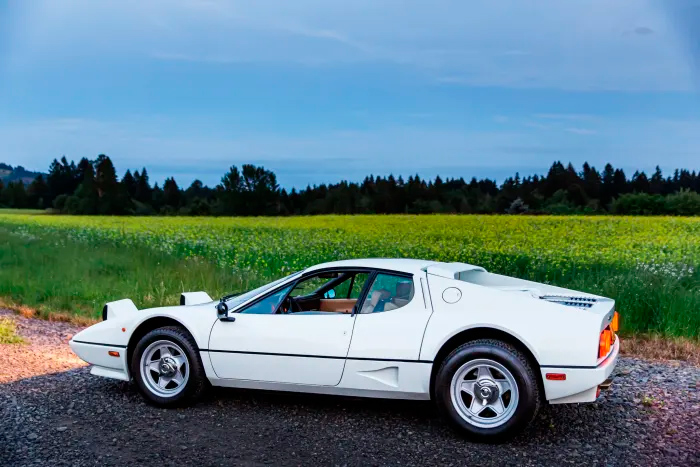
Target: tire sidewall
x=527, y=390
x=194, y=364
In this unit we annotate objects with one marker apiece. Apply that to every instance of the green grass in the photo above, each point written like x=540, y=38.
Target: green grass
x=8, y=332
x=21, y=211
x=56, y=275
x=76, y=269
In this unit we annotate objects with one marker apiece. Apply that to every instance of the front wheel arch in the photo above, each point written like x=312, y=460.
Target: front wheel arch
x=473, y=334
x=147, y=326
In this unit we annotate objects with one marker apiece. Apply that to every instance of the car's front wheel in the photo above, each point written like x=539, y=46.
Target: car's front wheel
x=487, y=389
x=167, y=368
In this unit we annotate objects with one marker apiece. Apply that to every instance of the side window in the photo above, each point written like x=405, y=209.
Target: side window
x=358, y=284
x=267, y=305
x=388, y=292
x=310, y=285
x=349, y=288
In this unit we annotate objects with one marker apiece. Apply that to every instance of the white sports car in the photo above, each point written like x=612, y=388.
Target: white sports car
x=488, y=349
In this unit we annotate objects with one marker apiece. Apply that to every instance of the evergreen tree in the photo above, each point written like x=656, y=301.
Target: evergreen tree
x=38, y=193
x=171, y=195
x=129, y=184
x=112, y=199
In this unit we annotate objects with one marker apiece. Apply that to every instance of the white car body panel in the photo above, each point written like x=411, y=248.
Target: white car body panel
x=272, y=348
x=391, y=354
x=393, y=335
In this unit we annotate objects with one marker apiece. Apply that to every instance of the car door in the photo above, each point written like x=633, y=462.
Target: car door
x=298, y=348
x=391, y=320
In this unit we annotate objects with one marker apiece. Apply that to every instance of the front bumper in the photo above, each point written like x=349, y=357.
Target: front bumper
x=581, y=384
x=104, y=364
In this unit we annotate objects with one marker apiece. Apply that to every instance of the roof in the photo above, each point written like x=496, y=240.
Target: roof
x=413, y=266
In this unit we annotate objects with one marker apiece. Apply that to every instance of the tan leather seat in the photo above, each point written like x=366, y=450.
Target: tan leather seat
x=337, y=305
x=381, y=294
x=404, y=294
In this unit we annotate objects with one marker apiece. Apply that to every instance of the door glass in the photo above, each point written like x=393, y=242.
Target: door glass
x=349, y=288
x=310, y=285
x=388, y=292
x=358, y=284
x=267, y=305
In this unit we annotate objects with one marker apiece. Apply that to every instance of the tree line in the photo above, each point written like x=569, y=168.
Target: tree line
x=92, y=187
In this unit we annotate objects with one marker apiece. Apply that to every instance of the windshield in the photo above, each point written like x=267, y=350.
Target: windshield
x=233, y=302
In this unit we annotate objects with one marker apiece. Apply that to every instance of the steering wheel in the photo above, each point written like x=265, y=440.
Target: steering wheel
x=289, y=306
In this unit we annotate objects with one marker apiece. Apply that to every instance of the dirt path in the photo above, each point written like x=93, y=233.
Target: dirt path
x=53, y=412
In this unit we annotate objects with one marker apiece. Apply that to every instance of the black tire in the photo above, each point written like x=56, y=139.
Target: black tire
x=196, y=381
x=515, y=362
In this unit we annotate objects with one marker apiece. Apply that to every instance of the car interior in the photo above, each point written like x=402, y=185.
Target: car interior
x=338, y=292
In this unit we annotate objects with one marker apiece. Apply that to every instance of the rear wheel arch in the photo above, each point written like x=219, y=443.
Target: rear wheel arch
x=472, y=334
x=147, y=326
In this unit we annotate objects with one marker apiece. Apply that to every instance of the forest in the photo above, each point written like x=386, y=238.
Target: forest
x=93, y=187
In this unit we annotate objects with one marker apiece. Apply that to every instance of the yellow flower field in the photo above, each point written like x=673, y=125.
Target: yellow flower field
x=280, y=244
x=601, y=254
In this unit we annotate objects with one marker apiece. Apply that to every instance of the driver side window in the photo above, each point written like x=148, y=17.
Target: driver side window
x=269, y=304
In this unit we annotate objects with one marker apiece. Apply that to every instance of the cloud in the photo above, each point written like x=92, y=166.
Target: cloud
x=447, y=41
x=581, y=131
x=643, y=31
x=190, y=151
x=547, y=116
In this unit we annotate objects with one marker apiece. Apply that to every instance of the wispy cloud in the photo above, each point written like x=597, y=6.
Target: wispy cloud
x=504, y=50
x=581, y=131
x=548, y=116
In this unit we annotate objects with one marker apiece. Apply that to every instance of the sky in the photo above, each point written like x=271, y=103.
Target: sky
x=324, y=90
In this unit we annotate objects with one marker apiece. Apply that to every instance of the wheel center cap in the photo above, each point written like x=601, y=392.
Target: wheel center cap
x=486, y=389
x=168, y=365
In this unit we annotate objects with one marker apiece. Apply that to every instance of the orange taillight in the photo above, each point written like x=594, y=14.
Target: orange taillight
x=615, y=323
x=606, y=340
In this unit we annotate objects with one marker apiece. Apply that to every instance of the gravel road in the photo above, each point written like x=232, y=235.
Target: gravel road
x=650, y=416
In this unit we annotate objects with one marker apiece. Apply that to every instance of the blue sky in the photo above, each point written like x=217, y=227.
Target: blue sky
x=320, y=91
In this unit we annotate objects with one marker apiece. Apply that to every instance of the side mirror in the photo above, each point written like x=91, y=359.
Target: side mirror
x=222, y=312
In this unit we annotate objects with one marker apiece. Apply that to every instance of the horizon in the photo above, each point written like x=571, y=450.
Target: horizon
x=499, y=182
x=320, y=92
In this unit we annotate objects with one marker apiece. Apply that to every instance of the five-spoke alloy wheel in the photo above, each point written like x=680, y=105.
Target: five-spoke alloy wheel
x=164, y=368
x=167, y=368
x=487, y=389
x=484, y=393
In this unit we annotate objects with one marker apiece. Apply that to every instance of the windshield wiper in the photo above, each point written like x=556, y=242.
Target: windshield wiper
x=230, y=296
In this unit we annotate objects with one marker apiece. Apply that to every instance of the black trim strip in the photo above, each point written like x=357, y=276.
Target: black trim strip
x=103, y=345
x=316, y=356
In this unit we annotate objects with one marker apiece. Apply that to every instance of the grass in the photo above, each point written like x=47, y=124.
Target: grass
x=68, y=266
x=60, y=278
x=8, y=332
x=22, y=211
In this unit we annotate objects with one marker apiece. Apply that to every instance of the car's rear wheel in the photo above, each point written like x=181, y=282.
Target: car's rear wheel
x=487, y=389
x=167, y=368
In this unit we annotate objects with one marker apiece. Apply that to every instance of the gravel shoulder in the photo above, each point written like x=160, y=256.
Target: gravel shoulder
x=46, y=350
x=52, y=411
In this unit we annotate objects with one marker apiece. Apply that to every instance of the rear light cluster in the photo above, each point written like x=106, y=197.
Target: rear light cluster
x=607, y=336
